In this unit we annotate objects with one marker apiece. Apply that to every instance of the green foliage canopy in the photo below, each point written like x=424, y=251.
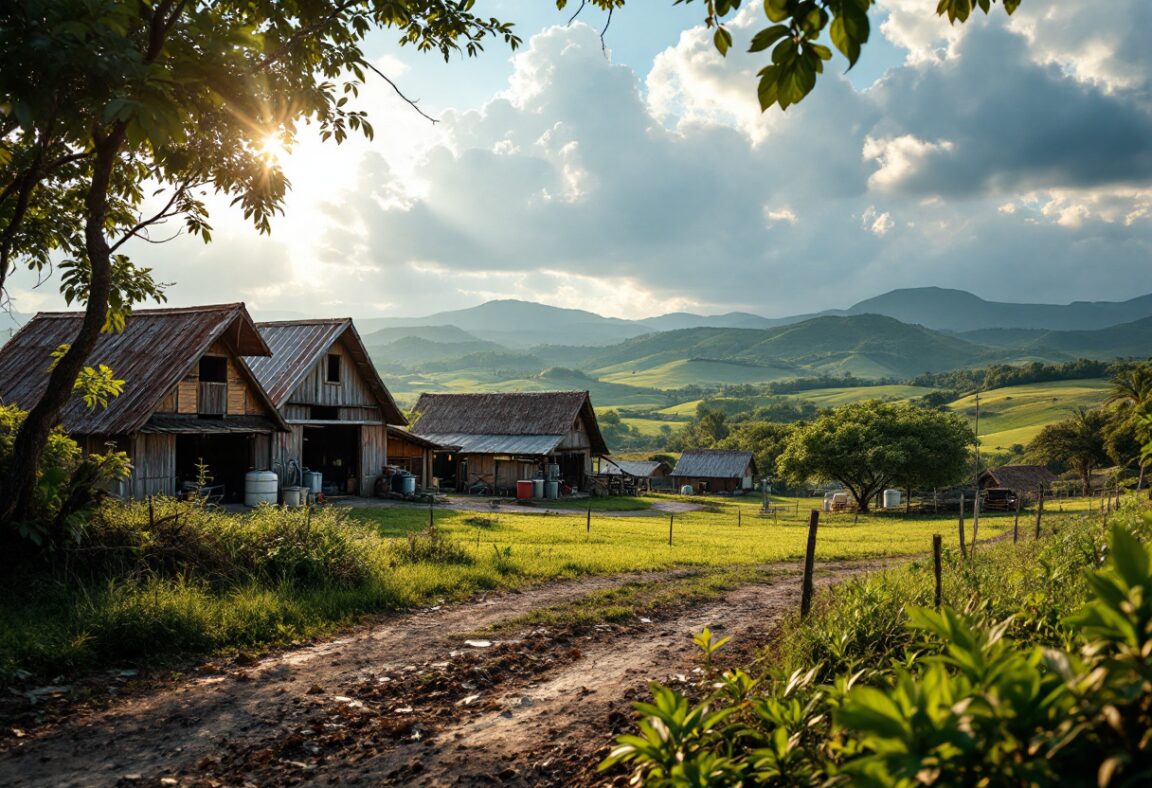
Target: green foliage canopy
x=867, y=446
x=1077, y=442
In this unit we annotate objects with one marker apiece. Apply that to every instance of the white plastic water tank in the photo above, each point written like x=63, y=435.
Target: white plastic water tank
x=551, y=489
x=260, y=487
x=686, y=489
x=891, y=499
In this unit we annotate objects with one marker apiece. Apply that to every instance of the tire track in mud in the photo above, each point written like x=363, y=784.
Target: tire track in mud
x=404, y=700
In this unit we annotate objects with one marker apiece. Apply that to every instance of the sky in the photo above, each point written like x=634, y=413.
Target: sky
x=1011, y=157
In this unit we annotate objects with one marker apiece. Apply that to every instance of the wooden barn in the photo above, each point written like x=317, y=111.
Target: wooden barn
x=189, y=396
x=321, y=381
x=633, y=476
x=715, y=470
x=496, y=439
x=1023, y=480
x=412, y=453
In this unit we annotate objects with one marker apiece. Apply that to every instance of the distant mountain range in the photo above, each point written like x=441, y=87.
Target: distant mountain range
x=525, y=324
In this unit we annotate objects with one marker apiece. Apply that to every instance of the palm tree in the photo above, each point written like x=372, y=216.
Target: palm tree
x=1131, y=393
x=1077, y=441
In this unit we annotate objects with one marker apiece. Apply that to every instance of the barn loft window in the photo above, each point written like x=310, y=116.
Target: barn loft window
x=333, y=368
x=325, y=413
x=213, y=369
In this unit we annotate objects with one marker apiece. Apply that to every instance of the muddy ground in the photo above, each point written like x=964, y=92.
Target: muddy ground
x=411, y=699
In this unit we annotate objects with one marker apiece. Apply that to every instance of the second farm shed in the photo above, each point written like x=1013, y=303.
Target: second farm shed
x=715, y=470
x=337, y=408
x=500, y=438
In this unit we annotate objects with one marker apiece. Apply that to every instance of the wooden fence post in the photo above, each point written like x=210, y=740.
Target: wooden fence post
x=809, y=564
x=670, y=518
x=975, y=520
x=936, y=544
x=588, y=523
x=739, y=517
x=963, y=544
x=1016, y=521
x=431, y=515
x=1039, y=511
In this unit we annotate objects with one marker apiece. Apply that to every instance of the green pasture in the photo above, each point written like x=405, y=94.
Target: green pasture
x=651, y=427
x=689, y=372
x=727, y=533
x=1016, y=414
x=835, y=397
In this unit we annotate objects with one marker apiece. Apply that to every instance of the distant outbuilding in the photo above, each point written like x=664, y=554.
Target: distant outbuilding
x=715, y=470
x=499, y=438
x=1023, y=480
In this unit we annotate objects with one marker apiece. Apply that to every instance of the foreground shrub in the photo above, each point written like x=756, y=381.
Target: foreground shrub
x=169, y=538
x=954, y=698
x=68, y=486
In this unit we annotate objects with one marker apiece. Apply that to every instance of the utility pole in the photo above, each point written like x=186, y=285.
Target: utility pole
x=976, y=495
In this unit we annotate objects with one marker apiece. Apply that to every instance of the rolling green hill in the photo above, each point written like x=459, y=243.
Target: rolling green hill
x=868, y=346
x=1016, y=414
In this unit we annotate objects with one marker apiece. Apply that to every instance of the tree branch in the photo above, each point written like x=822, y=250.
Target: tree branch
x=411, y=102
x=164, y=213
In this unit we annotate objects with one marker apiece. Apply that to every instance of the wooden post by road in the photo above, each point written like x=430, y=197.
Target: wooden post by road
x=1039, y=511
x=963, y=543
x=670, y=518
x=936, y=543
x=739, y=517
x=809, y=564
x=1016, y=522
x=431, y=514
x=588, y=524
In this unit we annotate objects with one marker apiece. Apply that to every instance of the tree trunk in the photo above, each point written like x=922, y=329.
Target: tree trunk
x=19, y=482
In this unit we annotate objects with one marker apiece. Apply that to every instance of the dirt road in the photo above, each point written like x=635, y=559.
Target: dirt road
x=417, y=698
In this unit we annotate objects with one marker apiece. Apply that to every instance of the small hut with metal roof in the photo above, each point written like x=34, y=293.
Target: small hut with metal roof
x=715, y=470
x=338, y=410
x=189, y=397
x=499, y=438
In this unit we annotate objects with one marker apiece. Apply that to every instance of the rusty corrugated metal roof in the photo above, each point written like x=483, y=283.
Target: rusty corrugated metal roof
x=297, y=345
x=154, y=352
x=543, y=413
x=466, y=443
x=423, y=442
x=713, y=464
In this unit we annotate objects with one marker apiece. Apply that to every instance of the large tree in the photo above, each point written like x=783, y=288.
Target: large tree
x=118, y=115
x=1076, y=442
x=106, y=104
x=1129, y=432
x=867, y=446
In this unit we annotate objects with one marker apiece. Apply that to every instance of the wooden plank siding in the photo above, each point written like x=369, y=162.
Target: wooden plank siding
x=373, y=456
x=350, y=391
x=153, y=465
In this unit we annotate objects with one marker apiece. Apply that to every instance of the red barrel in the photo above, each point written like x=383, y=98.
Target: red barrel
x=524, y=489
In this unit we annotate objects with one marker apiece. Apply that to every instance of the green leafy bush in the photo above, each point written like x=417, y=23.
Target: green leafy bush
x=999, y=693
x=68, y=486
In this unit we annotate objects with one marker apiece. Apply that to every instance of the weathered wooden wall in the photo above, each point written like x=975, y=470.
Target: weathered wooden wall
x=153, y=465
x=373, y=455
x=350, y=391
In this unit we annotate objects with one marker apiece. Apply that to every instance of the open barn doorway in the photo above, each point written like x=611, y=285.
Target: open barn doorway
x=334, y=451
x=226, y=459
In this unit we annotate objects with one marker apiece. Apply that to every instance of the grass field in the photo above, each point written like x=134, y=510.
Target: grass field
x=832, y=398
x=1016, y=414
x=248, y=581
x=728, y=534
x=688, y=372
x=651, y=427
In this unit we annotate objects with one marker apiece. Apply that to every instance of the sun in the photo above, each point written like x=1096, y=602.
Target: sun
x=273, y=148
